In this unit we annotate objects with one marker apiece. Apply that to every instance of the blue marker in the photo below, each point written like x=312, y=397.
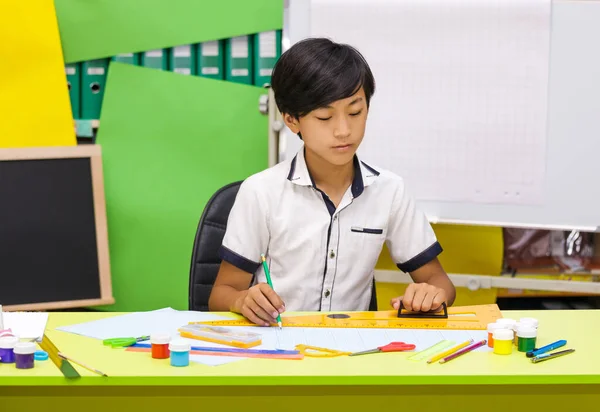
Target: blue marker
x=547, y=348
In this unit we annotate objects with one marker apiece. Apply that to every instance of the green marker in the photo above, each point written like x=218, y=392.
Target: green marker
x=268, y=275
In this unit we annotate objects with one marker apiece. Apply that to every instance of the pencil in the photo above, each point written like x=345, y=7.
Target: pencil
x=268, y=275
x=463, y=351
x=65, y=357
x=450, y=351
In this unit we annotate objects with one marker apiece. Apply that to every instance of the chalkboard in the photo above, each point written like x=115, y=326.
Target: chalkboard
x=53, y=236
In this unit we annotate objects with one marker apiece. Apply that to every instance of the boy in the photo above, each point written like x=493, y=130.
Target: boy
x=322, y=217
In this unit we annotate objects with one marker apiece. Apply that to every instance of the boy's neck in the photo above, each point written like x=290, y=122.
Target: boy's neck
x=328, y=177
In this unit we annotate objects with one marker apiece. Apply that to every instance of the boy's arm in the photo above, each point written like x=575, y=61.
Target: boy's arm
x=230, y=285
x=432, y=287
x=414, y=248
x=230, y=293
x=246, y=238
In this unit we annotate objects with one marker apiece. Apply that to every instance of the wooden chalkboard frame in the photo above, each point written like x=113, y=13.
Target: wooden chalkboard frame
x=94, y=153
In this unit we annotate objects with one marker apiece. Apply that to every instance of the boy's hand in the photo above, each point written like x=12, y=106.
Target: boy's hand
x=421, y=297
x=260, y=304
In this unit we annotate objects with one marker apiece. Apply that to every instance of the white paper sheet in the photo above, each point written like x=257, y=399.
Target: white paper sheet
x=351, y=339
x=359, y=339
x=136, y=324
x=25, y=325
x=214, y=360
x=460, y=106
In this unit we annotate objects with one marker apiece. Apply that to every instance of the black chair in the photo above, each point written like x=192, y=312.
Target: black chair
x=209, y=237
x=205, y=254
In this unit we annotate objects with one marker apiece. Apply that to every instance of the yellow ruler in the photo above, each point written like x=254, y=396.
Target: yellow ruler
x=63, y=365
x=459, y=318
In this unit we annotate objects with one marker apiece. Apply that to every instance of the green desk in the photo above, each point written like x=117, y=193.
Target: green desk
x=478, y=381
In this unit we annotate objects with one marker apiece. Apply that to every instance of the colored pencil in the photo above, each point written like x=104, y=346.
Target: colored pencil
x=450, y=351
x=268, y=275
x=463, y=351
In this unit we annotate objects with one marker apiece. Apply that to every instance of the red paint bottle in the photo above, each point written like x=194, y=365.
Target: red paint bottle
x=160, y=345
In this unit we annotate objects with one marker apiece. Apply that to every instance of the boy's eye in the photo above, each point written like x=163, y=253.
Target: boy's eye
x=356, y=114
x=324, y=118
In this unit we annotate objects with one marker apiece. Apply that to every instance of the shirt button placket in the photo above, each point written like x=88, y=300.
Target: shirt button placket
x=331, y=264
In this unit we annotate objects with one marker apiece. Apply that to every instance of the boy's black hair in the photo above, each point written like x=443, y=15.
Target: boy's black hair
x=316, y=72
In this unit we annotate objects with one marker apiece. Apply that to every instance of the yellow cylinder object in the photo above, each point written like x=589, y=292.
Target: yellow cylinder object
x=503, y=341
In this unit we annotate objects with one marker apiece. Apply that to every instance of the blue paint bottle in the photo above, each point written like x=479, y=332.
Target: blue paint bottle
x=180, y=353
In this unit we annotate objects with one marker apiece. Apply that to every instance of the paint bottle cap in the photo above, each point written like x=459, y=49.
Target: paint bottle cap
x=507, y=323
x=491, y=327
x=531, y=321
x=504, y=334
x=179, y=346
x=25, y=348
x=160, y=338
x=8, y=342
x=526, y=331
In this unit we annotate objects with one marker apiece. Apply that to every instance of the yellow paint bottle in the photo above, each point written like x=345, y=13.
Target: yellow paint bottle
x=503, y=341
x=509, y=324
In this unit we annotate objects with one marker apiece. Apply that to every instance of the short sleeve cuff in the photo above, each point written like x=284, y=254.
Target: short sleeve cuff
x=238, y=261
x=421, y=259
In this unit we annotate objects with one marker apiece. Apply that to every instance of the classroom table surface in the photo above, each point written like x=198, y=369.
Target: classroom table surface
x=578, y=327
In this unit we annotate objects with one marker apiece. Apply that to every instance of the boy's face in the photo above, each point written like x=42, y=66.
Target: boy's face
x=333, y=132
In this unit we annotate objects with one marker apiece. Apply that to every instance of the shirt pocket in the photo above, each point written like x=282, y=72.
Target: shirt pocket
x=366, y=230
x=366, y=243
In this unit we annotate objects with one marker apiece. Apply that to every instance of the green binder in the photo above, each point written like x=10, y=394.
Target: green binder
x=129, y=58
x=73, y=72
x=182, y=59
x=210, y=58
x=156, y=59
x=267, y=49
x=93, y=80
x=238, y=59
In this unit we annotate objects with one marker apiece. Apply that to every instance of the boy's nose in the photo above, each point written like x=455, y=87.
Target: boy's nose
x=342, y=129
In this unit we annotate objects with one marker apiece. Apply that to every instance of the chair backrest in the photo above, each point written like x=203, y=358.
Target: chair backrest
x=209, y=237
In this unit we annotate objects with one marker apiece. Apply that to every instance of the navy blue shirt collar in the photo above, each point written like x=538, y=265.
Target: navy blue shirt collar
x=364, y=174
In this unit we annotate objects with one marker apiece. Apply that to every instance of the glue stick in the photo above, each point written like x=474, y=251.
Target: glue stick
x=503, y=341
x=491, y=327
x=160, y=345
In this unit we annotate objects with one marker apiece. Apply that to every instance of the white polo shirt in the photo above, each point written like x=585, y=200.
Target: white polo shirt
x=322, y=257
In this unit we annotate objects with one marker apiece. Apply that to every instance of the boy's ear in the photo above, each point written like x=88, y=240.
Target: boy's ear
x=291, y=122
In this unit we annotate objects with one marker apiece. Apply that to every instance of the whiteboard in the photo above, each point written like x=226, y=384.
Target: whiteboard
x=570, y=196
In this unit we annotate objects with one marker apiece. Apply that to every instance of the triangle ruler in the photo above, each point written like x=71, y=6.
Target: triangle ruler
x=474, y=317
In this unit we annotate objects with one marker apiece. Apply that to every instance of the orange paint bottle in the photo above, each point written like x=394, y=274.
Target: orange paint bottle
x=491, y=327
